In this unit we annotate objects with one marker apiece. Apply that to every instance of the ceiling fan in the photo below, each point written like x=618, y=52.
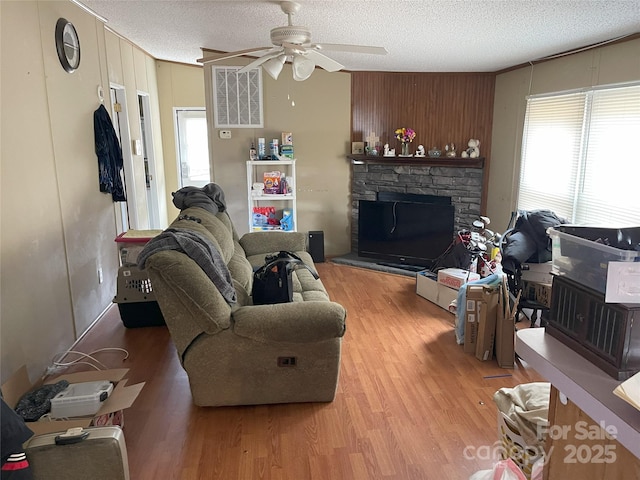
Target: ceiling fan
x=293, y=43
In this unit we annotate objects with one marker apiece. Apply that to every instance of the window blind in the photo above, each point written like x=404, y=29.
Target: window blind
x=578, y=159
x=611, y=183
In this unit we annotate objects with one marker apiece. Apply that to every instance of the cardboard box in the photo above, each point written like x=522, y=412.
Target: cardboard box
x=471, y=325
x=287, y=151
x=480, y=320
x=538, y=292
x=110, y=413
x=537, y=272
x=456, y=277
x=287, y=138
x=429, y=288
x=505, y=332
x=487, y=325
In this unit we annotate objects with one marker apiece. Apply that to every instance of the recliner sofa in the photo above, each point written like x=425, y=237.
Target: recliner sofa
x=240, y=353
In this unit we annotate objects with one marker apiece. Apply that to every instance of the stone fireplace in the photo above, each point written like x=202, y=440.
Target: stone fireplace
x=460, y=179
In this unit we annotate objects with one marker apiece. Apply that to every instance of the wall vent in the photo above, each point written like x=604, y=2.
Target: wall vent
x=237, y=97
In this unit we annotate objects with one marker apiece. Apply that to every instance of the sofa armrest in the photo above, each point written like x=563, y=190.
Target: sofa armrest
x=296, y=322
x=258, y=243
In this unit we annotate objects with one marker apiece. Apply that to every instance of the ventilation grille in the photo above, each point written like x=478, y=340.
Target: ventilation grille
x=565, y=309
x=237, y=97
x=606, y=326
x=133, y=286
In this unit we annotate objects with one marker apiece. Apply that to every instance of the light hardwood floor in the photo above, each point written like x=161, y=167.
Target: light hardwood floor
x=410, y=404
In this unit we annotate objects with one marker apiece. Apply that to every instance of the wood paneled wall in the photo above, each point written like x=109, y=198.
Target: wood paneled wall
x=441, y=107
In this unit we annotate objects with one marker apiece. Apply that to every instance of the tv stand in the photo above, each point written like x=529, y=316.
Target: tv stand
x=402, y=266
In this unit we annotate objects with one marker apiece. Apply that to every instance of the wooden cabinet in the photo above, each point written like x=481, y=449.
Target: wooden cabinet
x=607, y=334
x=579, y=448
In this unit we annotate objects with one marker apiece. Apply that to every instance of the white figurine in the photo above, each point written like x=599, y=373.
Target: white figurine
x=420, y=151
x=386, y=149
x=474, y=149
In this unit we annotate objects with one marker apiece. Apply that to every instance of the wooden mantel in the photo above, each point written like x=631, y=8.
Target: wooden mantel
x=427, y=161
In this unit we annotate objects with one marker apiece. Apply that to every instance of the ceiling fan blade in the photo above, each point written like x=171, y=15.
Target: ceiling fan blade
x=225, y=56
x=259, y=61
x=323, y=61
x=337, y=47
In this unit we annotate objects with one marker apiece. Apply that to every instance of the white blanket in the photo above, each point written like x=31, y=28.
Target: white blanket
x=527, y=406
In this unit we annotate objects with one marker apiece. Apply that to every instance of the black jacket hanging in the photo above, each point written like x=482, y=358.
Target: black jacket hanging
x=109, y=154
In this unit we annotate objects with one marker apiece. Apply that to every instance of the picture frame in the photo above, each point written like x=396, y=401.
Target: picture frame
x=357, y=148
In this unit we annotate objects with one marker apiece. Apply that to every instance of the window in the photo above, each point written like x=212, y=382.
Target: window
x=579, y=156
x=192, y=147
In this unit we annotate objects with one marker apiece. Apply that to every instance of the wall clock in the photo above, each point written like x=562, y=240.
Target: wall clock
x=67, y=45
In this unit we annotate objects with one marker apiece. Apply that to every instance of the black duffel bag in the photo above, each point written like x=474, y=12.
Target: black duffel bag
x=272, y=282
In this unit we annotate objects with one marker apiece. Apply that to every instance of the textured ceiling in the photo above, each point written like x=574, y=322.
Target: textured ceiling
x=421, y=36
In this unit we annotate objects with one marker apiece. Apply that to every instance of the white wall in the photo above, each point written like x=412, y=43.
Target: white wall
x=320, y=123
x=611, y=64
x=57, y=228
x=179, y=86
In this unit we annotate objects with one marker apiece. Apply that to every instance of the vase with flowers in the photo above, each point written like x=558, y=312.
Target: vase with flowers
x=405, y=136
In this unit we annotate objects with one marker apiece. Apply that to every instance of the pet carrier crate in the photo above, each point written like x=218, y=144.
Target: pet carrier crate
x=136, y=299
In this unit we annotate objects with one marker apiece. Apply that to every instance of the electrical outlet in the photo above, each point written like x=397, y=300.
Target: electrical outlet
x=100, y=277
x=225, y=134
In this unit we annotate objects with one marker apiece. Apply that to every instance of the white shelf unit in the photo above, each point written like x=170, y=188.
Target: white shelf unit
x=255, y=174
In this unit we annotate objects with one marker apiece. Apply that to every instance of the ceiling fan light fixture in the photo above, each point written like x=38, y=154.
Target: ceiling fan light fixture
x=293, y=43
x=274, y=66
x=302, y=68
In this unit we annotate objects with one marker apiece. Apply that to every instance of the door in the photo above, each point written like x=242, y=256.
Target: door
x=129, y=217
x=192, y=153
x=148, y=155
x=122, y=211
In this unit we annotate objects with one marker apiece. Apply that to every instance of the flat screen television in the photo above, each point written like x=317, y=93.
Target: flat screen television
x=404, y=233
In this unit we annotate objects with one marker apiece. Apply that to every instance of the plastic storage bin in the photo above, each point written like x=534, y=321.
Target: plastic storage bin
x=80, y=399
x=578, y=253
x=136, y=299
x=131, y=243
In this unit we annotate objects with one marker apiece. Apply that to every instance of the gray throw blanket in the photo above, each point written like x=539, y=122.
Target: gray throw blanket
x=210, y=197
x=200, y=250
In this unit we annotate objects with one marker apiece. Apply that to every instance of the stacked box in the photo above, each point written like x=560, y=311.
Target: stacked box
x=456, y=277
x=429, y=288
